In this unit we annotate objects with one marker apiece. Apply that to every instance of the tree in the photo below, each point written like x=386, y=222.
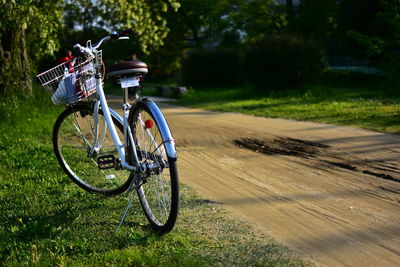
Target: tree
x=29, y=28
x=259, y=18
x=316, y=19
x=146, y=18
x=376, y=33
x=208, y=23
x=26, y=26
x=217, y=24
x=373, y=29
x=197, y=24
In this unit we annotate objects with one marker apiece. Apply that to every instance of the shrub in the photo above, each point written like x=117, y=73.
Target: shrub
x=281, y=61
x=391, y=67
x=220, y=67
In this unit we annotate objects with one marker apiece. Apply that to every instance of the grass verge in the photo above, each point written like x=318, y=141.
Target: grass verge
x=45, y=219
x=337, y=98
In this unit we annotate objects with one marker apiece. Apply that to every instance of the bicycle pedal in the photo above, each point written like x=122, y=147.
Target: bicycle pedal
x=106, y=162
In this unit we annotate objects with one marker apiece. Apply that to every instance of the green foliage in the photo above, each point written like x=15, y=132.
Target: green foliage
x=83, y=14
x=207, y=23
x=316, y=19
x=196, y=24
x=194, y=19
x=369, y=28
x=215, y=24
x=26, y=27
x=372, y=46
x=221, y=67
x=366, y=30
x=283, y=61
x=40, y=19
x=204, y=23
x=146, y=18
x=391, y=66
x=376, y=34
x=258, y=18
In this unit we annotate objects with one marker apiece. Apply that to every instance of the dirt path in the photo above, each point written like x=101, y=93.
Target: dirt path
x=330, y=193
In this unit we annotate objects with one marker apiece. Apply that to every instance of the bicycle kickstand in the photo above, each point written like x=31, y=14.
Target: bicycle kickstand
x=132, y=188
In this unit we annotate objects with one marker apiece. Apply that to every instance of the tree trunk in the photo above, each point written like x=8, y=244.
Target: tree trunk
x=15, y=77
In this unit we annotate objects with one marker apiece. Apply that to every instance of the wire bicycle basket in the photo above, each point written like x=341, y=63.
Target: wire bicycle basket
x=71, y=81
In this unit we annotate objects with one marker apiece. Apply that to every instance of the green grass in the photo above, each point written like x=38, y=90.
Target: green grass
x=338, y=98
x=46, y=220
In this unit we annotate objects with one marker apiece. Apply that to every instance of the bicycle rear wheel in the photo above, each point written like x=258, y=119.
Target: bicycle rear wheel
x=159, y=190
x=73, y=140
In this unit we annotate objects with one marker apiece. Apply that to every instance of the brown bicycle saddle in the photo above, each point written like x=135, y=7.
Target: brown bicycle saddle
x=126, y=68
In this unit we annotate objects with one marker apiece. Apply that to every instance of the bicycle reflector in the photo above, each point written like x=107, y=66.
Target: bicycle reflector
x=149, y=124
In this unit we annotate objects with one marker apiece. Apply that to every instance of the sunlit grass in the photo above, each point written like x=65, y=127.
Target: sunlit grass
x=355, y=103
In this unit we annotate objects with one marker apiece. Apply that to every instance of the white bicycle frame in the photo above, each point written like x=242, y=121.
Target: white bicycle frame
x=166, y=135
x=111, y=127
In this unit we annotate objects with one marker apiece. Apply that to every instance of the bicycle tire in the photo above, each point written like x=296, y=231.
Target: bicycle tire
x=72, y=140
x=159, y=192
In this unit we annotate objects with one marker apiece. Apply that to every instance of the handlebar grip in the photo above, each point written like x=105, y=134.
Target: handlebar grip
x=125, y=32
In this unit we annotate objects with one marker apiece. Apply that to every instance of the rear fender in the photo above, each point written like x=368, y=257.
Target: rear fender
x=166, y=134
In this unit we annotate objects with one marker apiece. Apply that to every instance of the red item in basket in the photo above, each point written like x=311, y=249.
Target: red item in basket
x=67, y=56
x=64, y=59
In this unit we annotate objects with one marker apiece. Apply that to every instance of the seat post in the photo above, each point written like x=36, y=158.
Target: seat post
x=125, y=96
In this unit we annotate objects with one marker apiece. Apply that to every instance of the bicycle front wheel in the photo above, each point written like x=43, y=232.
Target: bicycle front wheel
x=78, y=145
x=159, y=190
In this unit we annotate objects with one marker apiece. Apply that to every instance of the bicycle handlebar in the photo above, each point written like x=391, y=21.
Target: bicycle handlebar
x=113, y=36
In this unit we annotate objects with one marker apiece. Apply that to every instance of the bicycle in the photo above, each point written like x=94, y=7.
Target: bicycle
x=104, y=152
